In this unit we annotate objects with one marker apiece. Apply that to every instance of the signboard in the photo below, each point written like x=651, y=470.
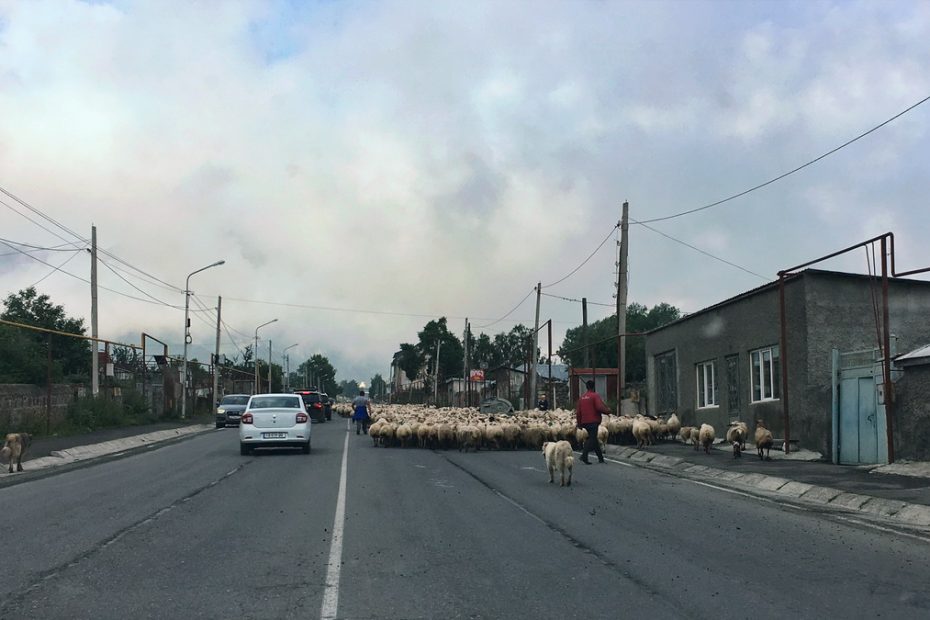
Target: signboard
x=476, y=375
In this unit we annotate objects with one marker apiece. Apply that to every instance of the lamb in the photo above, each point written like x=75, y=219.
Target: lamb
x=764, y=439
x=706, y=437
x=559, y=455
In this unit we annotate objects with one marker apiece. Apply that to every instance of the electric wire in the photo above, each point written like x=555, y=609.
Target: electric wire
x=590, y=303
x=584, y=262
x=705, y=253
x=23, y=215
x=520, y=303
x=790, y=172
x=56, y=269
x=38, y=248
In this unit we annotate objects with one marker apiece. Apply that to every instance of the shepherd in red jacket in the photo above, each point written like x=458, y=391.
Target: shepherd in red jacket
x=588, y=416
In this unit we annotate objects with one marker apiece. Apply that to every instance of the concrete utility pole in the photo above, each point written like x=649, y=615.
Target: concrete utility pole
x=269, y=365
x=216, y=355
x=435, y=375
x=95, y=357
x=621, y=302
x=532, y=369
x=465, y=357
x=584, y=331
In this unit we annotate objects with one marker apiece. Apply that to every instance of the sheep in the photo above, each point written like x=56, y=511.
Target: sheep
x=602, y=434
x=674, y=425
x=386, y=434
x=642, y=433
x=581, y=437
x=685, y=433
x=469, y=437
x=662, y=428
x=559, y=455
x=764, y=440
x=404, y=434
x=445, y=436
x=736, y=434
x=706, y=437
x=511, y=435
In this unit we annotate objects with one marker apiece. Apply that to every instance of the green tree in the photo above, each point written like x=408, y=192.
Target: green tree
x=410, y=360
x=349, y=388
x=378, y=386
x=451, y=353
x=321, y=374
x=603, y=344
x=70, y=356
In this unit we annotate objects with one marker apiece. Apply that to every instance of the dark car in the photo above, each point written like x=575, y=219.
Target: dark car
x=230, y=409
x=316, y=403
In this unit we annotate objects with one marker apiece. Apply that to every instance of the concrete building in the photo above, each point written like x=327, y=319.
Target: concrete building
x=723, y=363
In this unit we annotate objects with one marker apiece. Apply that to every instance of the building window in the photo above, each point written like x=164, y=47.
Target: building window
x=706, y=385
x=666, y=382
x=766, y=374
x=732, y=363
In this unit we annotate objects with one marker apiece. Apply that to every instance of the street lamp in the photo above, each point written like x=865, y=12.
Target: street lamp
x=257, y=379
x=287, y=365
x=187, y=332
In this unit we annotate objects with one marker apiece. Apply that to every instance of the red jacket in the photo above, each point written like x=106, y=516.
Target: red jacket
x=589, y=409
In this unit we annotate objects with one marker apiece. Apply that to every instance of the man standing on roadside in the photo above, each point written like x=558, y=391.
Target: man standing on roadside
x=588, y=416
x=361, y=407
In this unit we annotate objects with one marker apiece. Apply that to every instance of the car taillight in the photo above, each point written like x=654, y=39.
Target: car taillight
x=317, y=406
x=246, y=418
x=301, y=418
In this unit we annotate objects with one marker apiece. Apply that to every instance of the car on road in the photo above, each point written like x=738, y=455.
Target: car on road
x=274, y=421
x=230, y=408
x=316, y=404
x=327, y=405
x=496, y=405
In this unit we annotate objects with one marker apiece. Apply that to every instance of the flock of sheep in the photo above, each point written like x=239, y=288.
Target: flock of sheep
x=467, y=429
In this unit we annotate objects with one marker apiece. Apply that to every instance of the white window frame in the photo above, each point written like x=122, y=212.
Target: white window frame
x=766, y=370
x=706, y=384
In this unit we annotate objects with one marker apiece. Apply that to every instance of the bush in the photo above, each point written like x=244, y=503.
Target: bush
x=90, y=413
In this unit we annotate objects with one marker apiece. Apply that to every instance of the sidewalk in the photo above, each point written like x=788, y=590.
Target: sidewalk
x=902, y=498
x=50, y=452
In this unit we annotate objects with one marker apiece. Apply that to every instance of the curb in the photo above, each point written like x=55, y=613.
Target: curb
x=60, y=460
x=901, y=513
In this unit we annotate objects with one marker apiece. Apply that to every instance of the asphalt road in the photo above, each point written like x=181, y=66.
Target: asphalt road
x=194, y=530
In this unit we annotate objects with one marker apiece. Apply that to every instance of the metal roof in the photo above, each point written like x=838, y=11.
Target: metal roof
x=921, y=355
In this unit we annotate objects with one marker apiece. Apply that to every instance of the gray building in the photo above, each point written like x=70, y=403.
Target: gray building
x=723, y=363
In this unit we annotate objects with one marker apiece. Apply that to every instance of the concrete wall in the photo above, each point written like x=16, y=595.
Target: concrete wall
x=736, y=328
x=841, y=315
x=912, y=414
x=23, y=407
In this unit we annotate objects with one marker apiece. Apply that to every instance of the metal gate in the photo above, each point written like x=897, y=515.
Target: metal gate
x=858, y=414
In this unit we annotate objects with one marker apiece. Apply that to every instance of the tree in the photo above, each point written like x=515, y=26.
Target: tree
x=410, y=360
x=451, y=353
x=321, y=374
x=71, y=356
x=602, y=338
x=378, y=386
x=349, y=388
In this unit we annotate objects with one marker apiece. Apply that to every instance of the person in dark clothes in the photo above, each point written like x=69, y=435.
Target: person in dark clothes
x=588, y=416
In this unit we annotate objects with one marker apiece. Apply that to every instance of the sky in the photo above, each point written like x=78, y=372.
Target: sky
x=385, y=163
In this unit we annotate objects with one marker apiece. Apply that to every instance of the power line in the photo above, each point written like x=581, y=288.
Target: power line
x=58, y=268
x=696, y=249
x=156, y=299
x=336, y=309
x=520, y=303
x=38, y=248
x=593, y=303
x=572, y=272
x=790, y=172
x=23, y=215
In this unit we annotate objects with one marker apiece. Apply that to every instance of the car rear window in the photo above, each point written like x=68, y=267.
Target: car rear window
x=311, y=398
x=275, y=402
x=235, y=400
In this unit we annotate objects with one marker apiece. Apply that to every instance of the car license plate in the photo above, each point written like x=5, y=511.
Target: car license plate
x=274, y=435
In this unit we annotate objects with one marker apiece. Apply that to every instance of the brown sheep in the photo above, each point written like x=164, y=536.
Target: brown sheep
x=764, y=440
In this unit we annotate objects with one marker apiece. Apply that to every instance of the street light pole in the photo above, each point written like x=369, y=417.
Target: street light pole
x=255, y=351
x=287, y=364
x=187, y=332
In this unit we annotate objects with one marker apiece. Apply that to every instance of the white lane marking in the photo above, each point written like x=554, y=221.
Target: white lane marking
x=334, y=567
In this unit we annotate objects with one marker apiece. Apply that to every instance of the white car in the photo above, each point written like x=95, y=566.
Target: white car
x=272, y=421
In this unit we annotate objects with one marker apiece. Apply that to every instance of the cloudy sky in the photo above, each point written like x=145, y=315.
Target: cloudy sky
x=396, y=161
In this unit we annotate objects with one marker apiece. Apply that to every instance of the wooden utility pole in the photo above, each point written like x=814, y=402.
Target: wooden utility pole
x=216, y=355
x=532, y=368
x=95, y=357
x=621, y=302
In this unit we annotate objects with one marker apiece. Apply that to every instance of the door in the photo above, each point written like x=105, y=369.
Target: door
x=859, y=423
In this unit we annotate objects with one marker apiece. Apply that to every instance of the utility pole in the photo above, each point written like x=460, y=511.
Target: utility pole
x=216, y=355
x=621, y=301
x=584, y=331
x=532, y=368
x=257, y=379
x=435, y=375
x=95, y=357
x=465, y=356
x=269, y=365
